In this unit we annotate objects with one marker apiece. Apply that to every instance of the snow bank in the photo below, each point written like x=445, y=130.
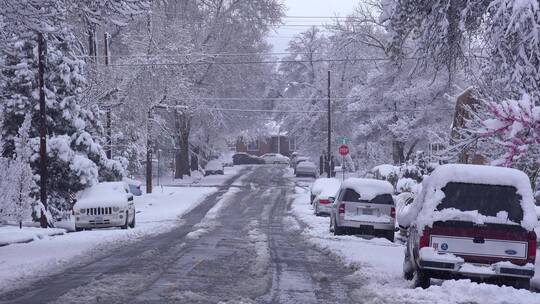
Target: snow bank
x=12, y=234
x=422, y=211
x=385, y=170
x=368, y=188
x=324, y=183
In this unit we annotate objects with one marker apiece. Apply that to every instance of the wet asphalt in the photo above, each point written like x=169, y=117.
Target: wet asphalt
x=251, y=251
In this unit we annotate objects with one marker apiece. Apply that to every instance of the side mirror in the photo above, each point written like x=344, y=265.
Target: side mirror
x=130, y=197
x=331, y=200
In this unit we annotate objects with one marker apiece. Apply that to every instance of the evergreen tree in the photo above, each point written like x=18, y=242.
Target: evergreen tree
x=75, y=160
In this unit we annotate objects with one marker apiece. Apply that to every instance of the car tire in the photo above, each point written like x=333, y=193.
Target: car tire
x=132, y=224
x=421, y=279
x=221, y=172
x=316, y=208
x=338, y=230
x=331, y=226
x=78, y=229
x=125, y=226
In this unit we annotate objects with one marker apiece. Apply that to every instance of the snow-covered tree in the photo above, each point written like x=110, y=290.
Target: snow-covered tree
x=75, y=160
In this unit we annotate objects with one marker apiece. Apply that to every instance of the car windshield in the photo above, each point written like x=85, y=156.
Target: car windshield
x=487, y=199
x=352, y=196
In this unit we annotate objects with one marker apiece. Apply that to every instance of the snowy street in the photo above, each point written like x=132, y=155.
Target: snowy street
x=238, y=244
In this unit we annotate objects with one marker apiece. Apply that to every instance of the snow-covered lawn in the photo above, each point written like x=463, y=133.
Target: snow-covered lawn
x=157, y=212
x=379, y=268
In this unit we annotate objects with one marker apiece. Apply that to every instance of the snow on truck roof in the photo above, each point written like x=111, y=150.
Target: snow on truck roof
x=423, y=210
x=368, y=188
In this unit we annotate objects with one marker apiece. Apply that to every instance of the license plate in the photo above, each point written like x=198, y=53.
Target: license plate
x=99, y=219
x=367, y=211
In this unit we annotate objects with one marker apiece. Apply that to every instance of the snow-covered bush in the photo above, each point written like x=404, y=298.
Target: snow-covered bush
x=406, y=185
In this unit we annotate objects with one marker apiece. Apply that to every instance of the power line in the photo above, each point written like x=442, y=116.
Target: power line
x=342, y=111
x=249, y=62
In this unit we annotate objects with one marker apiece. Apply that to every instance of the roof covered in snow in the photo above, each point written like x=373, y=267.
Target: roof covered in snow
x=385, y=170
x=423, y=210
x=107, y=194
x=368, y=188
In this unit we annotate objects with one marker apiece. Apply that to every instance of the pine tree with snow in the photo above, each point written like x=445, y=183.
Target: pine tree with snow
x=75, y=160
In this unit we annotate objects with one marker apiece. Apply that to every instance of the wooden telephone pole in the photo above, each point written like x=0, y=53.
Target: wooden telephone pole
x=42, y=51
x=329, y=151
x=108, y=113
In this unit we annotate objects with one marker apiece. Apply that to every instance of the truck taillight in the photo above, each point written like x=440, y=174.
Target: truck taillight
x=324, y=202
x=341, y=209
x=531, y=255
x=393, y=212
x=424, y=238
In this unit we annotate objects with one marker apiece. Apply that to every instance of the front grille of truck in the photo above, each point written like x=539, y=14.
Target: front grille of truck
x=99, y=211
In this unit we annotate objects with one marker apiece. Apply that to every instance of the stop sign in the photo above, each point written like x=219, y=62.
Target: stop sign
x=343, y=150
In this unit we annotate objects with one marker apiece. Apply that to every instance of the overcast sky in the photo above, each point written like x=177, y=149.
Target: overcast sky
x=311, y=8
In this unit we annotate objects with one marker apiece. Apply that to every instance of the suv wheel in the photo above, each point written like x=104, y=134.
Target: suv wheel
x=522, y=283
x=331, y=227
x=389, y=235
x=132, y=224
x=125, y=226
x=421, y=279
x=78, y=229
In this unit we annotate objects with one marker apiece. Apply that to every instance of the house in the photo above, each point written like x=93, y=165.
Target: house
x=285, y=145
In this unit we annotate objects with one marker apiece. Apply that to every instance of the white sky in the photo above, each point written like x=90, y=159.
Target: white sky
x=325, y=8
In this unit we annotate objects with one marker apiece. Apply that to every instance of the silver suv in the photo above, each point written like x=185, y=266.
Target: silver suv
x=364, y=206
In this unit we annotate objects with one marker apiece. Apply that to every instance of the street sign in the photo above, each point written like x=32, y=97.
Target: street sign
x=343, y=150
x=343, y=140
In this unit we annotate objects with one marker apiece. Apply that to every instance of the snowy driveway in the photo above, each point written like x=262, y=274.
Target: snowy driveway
x=239, y=245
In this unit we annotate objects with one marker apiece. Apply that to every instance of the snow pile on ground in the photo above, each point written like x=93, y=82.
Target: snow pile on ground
x=422, y=210
x=368, y=188
x=12, y=234
x=156, y=213
x=379, y=268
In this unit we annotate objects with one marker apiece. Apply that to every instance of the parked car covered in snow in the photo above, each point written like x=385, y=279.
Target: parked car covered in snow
x=246, y=159
x=471, y=221
x=298, y=160
x=322, y=203
x=306, y=168
x=364, y=206
x=107, y=204
x=320, y=184
x=275, y=158
x=214, y=167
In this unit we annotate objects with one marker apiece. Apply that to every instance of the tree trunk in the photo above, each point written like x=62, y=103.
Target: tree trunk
x=398, y=152
x=183, y=129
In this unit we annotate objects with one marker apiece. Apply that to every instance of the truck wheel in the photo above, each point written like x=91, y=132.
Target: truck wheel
x=132, y=225
x=389, y=235
x=522, y=283
x=338, y=230
x=125, y=226
x=421, y=279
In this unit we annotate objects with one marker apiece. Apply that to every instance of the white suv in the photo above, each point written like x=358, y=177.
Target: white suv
x=103, y=205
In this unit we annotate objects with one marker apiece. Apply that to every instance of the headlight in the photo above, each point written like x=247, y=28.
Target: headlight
x=115, y=209
x=82, y=210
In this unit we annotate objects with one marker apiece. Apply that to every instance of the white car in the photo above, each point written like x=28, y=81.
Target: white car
x=214, y=167
x=306, y=168
x=320, y=184
x=275, y=158
x=107, y=204
x=322, y=203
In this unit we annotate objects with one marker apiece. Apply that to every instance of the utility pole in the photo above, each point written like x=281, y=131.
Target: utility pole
x=109, y=122
x=329, y=153
x=42, y=51
x=149, y=152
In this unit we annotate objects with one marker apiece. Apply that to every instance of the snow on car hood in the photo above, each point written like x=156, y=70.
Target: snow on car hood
x=368, y=188
x=214, y=165
x=423, y=210
x=108, y=194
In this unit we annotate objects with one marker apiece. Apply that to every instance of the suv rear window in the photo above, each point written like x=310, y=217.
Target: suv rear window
x=349, y=195
x=487, y=199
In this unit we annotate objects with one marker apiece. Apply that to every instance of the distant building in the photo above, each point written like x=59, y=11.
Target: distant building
x=285, y=145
